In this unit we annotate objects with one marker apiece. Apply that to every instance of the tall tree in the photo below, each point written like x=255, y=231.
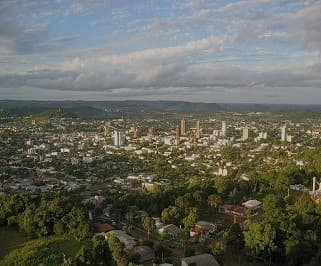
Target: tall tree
x=148, y=225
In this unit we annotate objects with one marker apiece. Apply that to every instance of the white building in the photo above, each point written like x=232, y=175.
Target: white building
x=289, y=138
x=245, y=133
x=119, y=138
x=283, y=133
x=223, y=130
x=263, y=135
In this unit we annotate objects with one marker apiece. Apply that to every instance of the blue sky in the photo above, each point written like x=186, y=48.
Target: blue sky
x=260, y=51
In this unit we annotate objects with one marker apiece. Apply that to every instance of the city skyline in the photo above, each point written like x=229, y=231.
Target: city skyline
x=201, y=51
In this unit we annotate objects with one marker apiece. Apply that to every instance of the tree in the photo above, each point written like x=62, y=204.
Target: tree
x=100, y=250
x=77, y=224
x=148, y=225
x=171, y=215
x=84, y=256
x=118, y=252
x=214, y=201
x=191, y=219
x=218, y=252
x=259, y=240
x=234, y=237
x=223, y=185
x=132, y=214
x=274, y=210
x=59, y=228
x=183, y=238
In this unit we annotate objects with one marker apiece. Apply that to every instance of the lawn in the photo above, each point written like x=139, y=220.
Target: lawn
x=10, y=239
x=69, y=247
x=43, y=251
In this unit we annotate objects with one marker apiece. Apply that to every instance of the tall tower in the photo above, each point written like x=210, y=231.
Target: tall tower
x=183, y=126
x=223, y=130
x=197, y=134
x=283, y=133
x=245, y=133
x=177, y=134
x=116, y=138
x=119, y=139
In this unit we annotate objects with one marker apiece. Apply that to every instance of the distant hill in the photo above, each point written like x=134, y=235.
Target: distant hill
x=103, y=109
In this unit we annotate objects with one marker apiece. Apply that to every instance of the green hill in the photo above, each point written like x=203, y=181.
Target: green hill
x=49, y=251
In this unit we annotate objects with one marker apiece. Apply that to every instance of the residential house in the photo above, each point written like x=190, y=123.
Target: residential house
x=203, y=228
x=128, y=241
x=252, y=204
x=144, y=253
x=200, y=260
x=170, y=229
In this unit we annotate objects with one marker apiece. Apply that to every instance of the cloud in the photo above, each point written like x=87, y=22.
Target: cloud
x=152, y=71
x=305, y=25
x=19, y=39
x=198, y=49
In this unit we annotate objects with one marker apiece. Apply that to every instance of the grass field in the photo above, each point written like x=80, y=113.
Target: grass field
x=10, y=239
x=69, y=247
x=42, y=251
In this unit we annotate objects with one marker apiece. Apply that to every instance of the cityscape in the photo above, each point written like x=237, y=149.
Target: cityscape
x=160, y=133
x=163, y=187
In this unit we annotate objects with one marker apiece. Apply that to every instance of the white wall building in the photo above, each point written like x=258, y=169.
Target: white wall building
x=283, y=133
x=245, y=133
x=119, y=138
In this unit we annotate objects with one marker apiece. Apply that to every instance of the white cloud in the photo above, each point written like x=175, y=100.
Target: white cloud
x=250, y=47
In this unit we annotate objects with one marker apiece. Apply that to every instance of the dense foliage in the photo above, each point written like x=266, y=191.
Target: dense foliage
x=45, y=216
x=289, y=232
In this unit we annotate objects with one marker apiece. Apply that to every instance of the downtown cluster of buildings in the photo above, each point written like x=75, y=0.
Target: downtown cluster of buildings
x=43, y=152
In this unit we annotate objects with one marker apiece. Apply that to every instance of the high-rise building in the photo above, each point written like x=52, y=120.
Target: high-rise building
x=197, y=133
x=183, y=126
x=262, y=135
x=150, y=131
x=216, y=133
x=119, y=138
x=106, y=131
x=223, y=130
x=135, y=133
x=283, y=133
x=289, y=138
x=177, y=134
x=245, y=133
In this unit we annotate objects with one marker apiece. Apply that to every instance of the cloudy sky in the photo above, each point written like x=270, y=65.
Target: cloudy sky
x=262, y=51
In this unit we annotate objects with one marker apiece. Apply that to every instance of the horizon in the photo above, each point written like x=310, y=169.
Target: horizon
x=163, y=101
x=240, y=52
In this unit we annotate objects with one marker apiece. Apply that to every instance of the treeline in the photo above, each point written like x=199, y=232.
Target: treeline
x=154, y=202
x=45, y=216
x=196, y=194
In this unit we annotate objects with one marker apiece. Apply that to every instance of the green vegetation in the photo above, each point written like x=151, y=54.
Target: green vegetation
x=11, y=239
x=45, y=216
x=51, y=251
x=288, y=233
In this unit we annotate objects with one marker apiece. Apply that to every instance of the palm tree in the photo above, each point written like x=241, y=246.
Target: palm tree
x=214, y=201
x=148, y=225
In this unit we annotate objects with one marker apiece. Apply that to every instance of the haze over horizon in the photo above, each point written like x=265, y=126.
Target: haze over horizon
x=249, y=51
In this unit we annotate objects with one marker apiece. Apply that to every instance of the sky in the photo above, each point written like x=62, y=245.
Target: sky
x=246, y=51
